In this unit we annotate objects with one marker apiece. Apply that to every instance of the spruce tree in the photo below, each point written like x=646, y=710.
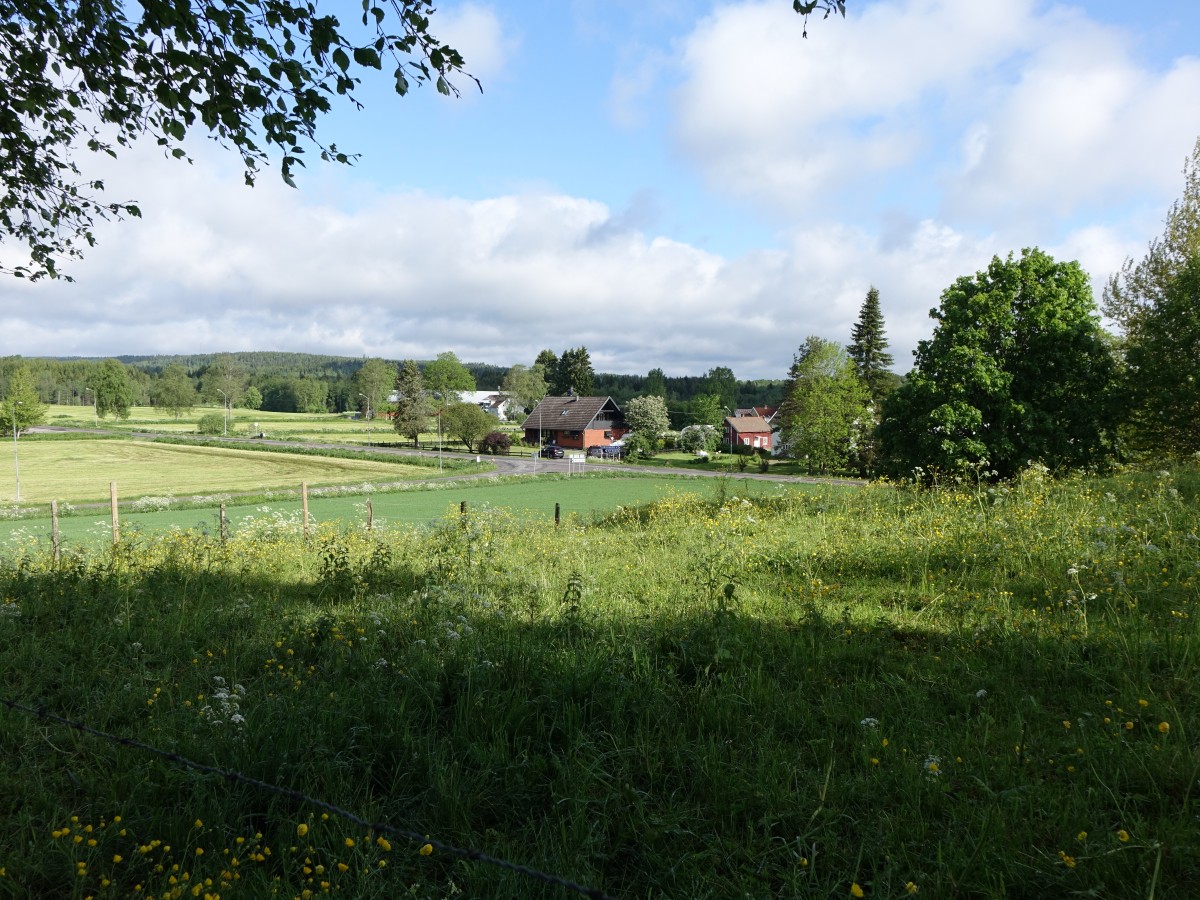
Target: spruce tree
x=868, y=348
x=412, y=407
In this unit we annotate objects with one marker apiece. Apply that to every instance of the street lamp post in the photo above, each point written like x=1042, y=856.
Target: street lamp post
x=95, y=412
x=368, y=399
x=16, y=456
x=225, y=410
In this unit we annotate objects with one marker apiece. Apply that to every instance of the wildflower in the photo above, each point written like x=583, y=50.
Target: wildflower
x=856, y=891
x=1082, y=836
x=1143, y=703
x=979, y=695
x=1123, y=836
x=117, y=857
x=427, y=850
x=933, y=767
x=1068, y=861
x=349, y=842
x=302, y=829
x=1164, y=727
x=869, y=722
x=383, y=843
x=911, y=888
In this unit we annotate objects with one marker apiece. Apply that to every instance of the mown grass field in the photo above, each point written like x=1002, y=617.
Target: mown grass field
x=961, y=694
x=80, y=471
x=328, y=427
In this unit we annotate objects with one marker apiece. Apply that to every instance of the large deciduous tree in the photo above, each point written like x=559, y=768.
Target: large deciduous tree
x=174, y=391
x=1163, y=369
x=648, y=418
x=825, y=406
x=868, y=348
x=523, y=387
x=372, y=383
x=468, y=423
x=411, y=416
x=224, y=380
x=1017, y=371
x=22, y=407
x=1156, y=304
x=114, y=392
x=721, y=382
x=256, y=75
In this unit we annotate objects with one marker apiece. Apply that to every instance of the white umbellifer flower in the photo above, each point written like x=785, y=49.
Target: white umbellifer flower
x=1072, y=571
x=869, y=722
x=981, y=693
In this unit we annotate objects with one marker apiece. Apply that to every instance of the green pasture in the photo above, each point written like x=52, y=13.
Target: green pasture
x=329, y=427
x=583, y=497
x=882, y=692
x=79, y=471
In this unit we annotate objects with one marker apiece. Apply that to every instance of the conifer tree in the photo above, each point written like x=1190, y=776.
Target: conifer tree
x=412, y=408
x=868, y=348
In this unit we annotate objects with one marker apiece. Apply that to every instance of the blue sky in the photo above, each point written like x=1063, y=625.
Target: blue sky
x=673, y=184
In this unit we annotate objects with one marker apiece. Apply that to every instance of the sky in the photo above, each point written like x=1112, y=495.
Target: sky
x=670, y=183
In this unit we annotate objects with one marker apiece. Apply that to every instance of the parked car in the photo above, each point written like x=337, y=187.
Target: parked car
x=552, y=451
x=605, y=452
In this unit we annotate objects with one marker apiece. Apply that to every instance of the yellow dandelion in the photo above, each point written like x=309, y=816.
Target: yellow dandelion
x=383, y=843
x=1068, y=861
x=1164, y=727
x=911, y=888
x=302, y=829
x=1143, y=703
x=856, y=891
x=1123, y=836
x=117, y=857
x=426, y=849
x=349, y=842
x=342, y=867
x=199, y=824
x=1082, y=836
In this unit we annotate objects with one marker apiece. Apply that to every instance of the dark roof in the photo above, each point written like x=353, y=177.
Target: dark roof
x=748, y=424
x=572, y=413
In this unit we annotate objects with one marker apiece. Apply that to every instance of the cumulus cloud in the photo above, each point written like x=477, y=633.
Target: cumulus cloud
x=1008, y=111
x=476, y=31
x=214, y=266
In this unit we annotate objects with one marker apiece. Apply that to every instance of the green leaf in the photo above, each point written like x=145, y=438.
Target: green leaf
x=367, y=58
x=340, y=59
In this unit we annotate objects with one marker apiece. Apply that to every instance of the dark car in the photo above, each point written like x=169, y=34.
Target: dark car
x=552, y=451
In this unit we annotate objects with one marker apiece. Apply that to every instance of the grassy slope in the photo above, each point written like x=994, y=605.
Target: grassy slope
x=978, y=695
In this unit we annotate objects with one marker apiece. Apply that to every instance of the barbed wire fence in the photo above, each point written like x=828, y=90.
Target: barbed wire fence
x=379, y=828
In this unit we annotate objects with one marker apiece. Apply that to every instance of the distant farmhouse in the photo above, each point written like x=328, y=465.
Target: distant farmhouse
x=492, y=402
x=748, y=431
x=575, y=422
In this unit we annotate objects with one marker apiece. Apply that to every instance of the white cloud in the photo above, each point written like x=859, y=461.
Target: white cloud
x=476, y=31
x=215, y=266
x=1010, y=111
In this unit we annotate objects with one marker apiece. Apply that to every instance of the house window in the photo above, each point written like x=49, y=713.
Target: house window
x=608, y=435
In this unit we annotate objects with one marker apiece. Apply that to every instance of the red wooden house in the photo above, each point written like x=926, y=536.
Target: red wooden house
x=575, y=422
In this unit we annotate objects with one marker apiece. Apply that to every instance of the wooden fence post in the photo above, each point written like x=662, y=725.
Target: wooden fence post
x=304, y=504
x=54, y=530
x=370, y=515
x=116, y=524
x=556, y=515
x=224, y=525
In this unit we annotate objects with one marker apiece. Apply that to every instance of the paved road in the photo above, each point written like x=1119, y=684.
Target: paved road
x=504, y=465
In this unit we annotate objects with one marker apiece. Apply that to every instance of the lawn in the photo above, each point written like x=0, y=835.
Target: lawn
x=869, y=693
x=79, y=471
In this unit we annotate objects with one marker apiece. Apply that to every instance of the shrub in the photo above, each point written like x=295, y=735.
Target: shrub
x=495, y=442
x=211, y=423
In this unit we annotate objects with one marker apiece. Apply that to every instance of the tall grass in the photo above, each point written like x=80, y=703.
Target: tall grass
x=963, y=694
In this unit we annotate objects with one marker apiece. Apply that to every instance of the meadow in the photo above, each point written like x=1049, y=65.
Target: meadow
x=973, y=692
